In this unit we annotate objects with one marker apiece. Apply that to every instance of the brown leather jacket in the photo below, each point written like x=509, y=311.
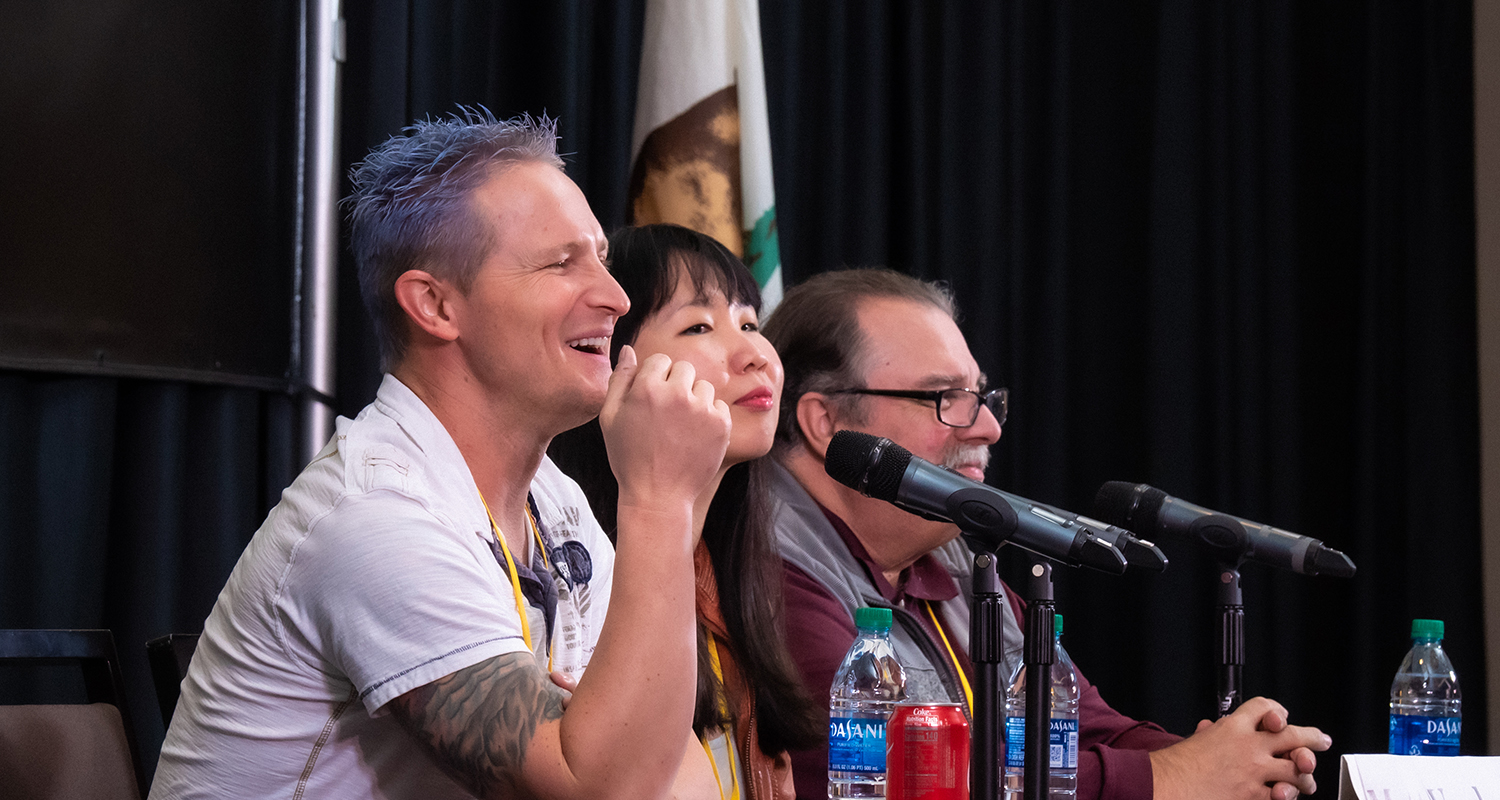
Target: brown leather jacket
x=766, y=777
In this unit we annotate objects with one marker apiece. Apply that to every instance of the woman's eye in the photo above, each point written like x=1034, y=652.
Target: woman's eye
x=750, y=327
x=699, y=328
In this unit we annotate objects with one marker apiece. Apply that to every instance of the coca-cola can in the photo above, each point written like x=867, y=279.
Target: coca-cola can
x=927, y=752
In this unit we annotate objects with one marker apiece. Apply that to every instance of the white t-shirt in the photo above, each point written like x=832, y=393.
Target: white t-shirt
x=374, y=575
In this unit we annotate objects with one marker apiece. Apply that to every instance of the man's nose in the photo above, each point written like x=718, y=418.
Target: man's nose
x=985, y=429
x=606, y=292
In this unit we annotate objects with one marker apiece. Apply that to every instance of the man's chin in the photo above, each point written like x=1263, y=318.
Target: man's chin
x=583, y=408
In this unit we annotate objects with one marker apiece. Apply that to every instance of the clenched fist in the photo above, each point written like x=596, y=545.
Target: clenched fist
x=665, y=431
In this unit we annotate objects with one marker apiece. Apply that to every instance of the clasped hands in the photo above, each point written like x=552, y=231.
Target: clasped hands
x=1252, y=753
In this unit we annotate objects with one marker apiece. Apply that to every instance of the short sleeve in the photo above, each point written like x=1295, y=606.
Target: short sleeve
x=384, y=593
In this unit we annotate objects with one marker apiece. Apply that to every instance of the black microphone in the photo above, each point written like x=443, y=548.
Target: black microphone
x=879, y=468
x=1144, y=508
x=1139, y=552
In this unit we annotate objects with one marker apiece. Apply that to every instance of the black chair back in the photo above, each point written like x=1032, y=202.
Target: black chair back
x=169, y=656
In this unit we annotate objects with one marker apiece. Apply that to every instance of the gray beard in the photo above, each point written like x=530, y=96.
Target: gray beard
x=961, y=454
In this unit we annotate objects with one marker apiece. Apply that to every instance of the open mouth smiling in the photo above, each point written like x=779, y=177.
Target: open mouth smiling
x=598, y=345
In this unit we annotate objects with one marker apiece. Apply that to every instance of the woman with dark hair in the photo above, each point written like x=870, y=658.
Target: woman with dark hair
x=692, y=300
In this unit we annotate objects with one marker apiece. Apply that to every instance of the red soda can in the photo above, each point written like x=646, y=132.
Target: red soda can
x=927, y=752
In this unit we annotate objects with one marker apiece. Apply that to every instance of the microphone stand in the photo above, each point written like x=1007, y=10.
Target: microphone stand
x=1230, y=626
x=1040, y=610
x=986, y=648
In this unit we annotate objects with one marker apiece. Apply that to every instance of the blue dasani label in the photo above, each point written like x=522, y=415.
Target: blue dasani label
x=1015, y=742
x=856, y=745
x=1425, y=736
x=1062, y=738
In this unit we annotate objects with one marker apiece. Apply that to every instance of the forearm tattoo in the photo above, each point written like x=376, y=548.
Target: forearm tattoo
x=479, y=721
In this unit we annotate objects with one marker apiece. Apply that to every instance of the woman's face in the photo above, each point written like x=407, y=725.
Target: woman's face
x=724, y=344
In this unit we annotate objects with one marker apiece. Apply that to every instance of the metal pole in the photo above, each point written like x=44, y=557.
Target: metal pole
x=1040, y=610
x=1230, y=626
x=986, y=652
x=318, y=222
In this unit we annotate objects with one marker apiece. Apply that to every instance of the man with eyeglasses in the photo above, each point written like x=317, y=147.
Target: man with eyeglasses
x=879, y=352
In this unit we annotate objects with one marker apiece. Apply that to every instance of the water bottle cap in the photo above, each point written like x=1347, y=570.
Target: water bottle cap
x=1056, y=624
x=1426, y=629
x=876, y=618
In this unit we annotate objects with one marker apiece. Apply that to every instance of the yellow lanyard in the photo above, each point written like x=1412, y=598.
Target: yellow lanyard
x=515, y=580
x=959, y=668
x=728, y=731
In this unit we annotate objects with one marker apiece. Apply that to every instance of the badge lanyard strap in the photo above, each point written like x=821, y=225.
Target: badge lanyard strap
x=713, y=658
x=963, y=679
x=515, y=580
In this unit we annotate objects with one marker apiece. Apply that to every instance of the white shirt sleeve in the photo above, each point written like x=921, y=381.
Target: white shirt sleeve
x=384, y=593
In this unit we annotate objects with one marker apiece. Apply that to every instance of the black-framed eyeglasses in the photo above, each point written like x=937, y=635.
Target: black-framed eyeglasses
x=956, y=408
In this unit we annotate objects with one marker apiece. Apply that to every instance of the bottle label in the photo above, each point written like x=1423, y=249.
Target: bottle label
x=1424, y=736
x=1062, y=738
x=1015, y=743
x=856, y=745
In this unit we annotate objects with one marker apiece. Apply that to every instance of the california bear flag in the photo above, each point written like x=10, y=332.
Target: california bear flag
x=701, y=153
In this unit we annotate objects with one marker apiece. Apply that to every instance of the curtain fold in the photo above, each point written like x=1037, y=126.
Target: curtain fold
x=124, y=504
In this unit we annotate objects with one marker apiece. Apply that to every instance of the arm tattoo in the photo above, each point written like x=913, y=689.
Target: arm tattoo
x=478, y=722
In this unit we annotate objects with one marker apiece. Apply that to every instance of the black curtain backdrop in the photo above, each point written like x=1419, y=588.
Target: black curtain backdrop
x=1224, y=249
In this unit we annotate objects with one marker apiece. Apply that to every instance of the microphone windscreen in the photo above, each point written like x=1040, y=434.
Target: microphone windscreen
x=848, y=457
x=1130, y=505
x=871, y=465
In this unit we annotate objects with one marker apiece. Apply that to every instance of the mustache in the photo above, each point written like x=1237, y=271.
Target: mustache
x=961, y=455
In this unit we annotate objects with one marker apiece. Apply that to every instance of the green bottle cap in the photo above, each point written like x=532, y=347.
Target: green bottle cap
x=1426, y=629
x=875, y=618
x=1056, y=624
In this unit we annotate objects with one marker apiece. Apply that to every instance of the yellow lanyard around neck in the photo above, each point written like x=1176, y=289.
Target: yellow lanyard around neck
x=515, y=579
x=727, y=730
x=957, y=667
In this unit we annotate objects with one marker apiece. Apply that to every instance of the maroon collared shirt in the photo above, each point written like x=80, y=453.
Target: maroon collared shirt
x=1112, y=751
x=925, y=584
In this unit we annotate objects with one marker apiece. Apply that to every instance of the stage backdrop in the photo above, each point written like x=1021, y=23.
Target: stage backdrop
x=1226, y=251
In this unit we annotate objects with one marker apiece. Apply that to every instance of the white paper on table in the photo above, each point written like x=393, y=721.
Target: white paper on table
x=1383, y=777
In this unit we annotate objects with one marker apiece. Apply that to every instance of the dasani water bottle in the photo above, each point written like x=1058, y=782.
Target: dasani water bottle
x=1062, y=778
x=1425, y=718
x=865, y=691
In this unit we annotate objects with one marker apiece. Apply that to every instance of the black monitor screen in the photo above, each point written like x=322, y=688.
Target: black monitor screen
x=150, y=187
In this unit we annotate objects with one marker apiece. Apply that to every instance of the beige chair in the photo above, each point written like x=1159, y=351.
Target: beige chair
x=81, y=751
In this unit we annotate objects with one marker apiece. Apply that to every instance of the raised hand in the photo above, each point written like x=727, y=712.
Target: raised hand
x=665, y=431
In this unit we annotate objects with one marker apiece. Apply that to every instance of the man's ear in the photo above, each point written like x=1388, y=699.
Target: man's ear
x=428, y=302
x=815, y=420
